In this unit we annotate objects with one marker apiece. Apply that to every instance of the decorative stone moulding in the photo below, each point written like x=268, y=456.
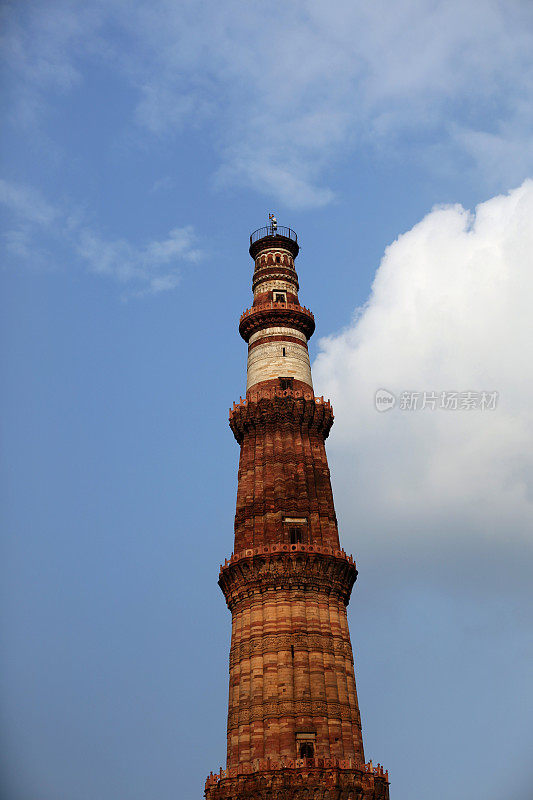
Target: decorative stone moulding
x=280, y=406
x=299, y=779
x=274, y=257
x=286, y=548
x=274, y=273
x=288, y=566
x=288, y=315
x=262, y=392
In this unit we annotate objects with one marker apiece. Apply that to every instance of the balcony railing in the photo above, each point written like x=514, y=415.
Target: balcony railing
x=272, y=764
x=269, y=230
x=276, y=307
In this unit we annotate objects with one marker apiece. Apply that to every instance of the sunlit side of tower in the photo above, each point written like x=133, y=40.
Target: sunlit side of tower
x=294, y=728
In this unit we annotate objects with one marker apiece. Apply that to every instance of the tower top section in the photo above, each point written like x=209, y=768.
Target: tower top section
x=276, y=327
x=274, y=235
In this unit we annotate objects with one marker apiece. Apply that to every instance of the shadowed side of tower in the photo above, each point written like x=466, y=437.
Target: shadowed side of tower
x=294, y=728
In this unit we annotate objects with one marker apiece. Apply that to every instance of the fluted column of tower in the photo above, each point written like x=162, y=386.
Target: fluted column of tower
x=294, y=729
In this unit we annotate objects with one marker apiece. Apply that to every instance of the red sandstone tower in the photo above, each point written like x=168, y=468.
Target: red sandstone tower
x=294, y=729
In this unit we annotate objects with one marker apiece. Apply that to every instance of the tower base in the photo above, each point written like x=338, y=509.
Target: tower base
x=300, y=779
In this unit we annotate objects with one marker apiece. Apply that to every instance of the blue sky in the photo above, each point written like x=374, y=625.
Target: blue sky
x=142, y=142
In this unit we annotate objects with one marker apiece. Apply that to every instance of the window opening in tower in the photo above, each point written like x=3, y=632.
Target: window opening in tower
x=307, y=750
x=285, y=383
x=296, y=536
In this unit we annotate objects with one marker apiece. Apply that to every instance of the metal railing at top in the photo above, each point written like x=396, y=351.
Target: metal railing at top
x=269, y=230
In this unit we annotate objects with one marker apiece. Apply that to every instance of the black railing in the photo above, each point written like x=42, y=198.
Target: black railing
x=270, y=230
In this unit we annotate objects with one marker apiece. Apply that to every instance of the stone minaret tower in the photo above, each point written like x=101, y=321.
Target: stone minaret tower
x=294, y=729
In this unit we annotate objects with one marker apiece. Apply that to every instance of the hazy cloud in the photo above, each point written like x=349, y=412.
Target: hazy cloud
x=27, y=203
x=449, y=311
x=286, y=91
x=162, y=184
x=148, y=269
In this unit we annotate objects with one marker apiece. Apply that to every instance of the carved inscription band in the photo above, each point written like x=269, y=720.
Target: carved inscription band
x=273, y=643
x=272, y=709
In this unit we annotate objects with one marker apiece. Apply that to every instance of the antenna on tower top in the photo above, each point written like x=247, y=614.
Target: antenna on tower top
x=273, y=224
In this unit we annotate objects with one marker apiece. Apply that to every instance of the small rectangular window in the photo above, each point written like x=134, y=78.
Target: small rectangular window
x=305, y=745
x=285, y=383
x=284, y=354
x=296, y=536
x=307, y=750
x=296, y=530
x=280, y=297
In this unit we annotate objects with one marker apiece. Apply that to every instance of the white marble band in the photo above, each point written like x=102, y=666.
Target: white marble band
x=267, y=361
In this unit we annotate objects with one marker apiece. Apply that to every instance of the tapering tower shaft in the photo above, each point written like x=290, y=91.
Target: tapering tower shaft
x=293, y=705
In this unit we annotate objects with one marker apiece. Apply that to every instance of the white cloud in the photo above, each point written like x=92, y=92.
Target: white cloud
x=283, y=92
x=450, y=310
x=148, y=269
x=178, y=244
